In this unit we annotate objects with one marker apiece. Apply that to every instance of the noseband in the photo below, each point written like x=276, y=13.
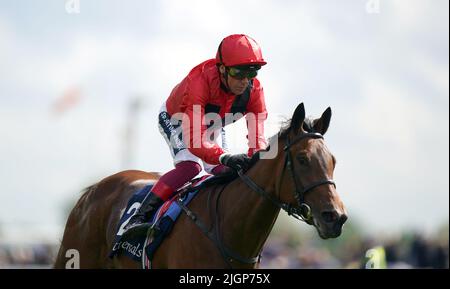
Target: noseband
x=303, y=211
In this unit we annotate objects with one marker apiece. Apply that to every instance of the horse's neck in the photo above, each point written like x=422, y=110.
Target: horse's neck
x=246, y=217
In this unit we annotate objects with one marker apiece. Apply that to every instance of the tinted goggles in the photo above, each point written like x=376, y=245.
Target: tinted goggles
x=241, y=73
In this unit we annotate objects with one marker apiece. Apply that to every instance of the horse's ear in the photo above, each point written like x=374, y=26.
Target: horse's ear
x=298, y=118
x=321, y=124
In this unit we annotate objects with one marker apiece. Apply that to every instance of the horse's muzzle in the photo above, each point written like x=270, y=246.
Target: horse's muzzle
x=331, y=224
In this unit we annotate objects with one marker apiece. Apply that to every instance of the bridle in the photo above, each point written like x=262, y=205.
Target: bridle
x=303, y=211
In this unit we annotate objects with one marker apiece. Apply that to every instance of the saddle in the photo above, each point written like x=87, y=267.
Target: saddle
x=142, y=248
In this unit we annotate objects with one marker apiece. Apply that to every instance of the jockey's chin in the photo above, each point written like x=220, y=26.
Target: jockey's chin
x=238, y=90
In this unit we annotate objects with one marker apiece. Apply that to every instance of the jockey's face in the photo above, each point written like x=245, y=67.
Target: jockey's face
x=236, y=86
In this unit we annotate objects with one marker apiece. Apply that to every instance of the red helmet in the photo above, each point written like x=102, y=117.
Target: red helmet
x=239, y=49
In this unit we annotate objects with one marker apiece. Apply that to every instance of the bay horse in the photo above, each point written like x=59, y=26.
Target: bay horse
x=232, y=220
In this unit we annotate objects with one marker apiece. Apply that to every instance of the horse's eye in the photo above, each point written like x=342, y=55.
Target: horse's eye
x=303, y=160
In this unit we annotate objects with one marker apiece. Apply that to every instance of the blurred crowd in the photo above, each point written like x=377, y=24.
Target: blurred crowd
x=289, y=250
x=403, y=251
x=39, y=255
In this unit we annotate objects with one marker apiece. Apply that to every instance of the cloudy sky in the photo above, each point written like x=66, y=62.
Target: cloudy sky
x=382, y=66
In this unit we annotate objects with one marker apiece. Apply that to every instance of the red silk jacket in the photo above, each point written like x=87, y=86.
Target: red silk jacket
x=201, y=90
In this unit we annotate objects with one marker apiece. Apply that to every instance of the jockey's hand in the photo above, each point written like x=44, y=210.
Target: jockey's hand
x=236, y=162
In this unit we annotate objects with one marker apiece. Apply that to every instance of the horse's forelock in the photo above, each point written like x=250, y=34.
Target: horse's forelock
x=308, y=124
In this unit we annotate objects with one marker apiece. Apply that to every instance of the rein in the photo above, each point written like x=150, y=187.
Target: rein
x=227, y=254
x=302, y=212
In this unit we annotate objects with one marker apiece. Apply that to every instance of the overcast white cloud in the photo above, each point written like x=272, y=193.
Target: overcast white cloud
x=385, y=76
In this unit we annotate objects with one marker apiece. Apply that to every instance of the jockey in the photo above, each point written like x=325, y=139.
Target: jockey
x=218, y=87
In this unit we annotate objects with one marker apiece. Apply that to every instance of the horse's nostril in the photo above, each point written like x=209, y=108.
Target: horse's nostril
x=330, y=216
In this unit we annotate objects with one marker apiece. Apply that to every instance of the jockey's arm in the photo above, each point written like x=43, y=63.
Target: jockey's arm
x=255, y=137
x=255, y=117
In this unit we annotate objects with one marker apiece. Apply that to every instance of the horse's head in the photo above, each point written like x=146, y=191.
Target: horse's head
x=307, y=175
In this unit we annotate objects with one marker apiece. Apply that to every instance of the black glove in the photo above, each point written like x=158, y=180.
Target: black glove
x=236, y=162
